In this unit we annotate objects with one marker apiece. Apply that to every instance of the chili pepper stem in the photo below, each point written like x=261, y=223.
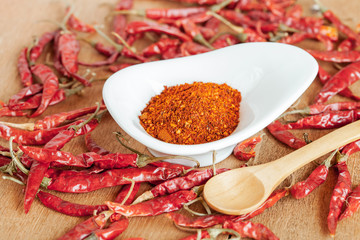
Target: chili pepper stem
x=306, y=110
x=9, y=168
x=200, y=39
x=327, y=161
x=341, y=157
x=187, y=229
x=144, y=159
x=13, y=179
x=322, y=8
x=186, y=207
x=25, y=126
x=34, y=43
x=139, y=12
x=144, y=197
x=130, y=190
x=122, y=40
x=6, y=154
x=66, y=18
x=77, y=127
x=226, y=22
x=284, y=28
x=109, y=40
x=118, y=135
x=215, y=232
x=15, y=159
x=219, y=6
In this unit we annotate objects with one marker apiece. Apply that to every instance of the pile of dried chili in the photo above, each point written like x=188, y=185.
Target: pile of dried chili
x=192, y=113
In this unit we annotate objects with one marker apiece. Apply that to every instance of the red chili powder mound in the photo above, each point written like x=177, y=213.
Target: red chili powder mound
x=192, y=113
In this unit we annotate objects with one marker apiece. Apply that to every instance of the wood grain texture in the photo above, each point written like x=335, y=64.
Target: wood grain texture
x=20, y=20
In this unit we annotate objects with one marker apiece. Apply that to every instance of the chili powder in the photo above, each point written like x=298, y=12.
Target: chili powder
x=192, y=113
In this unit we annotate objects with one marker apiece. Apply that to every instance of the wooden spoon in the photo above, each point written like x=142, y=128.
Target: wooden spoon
x=243, y=190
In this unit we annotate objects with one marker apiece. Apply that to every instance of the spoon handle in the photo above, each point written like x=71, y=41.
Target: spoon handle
x=288, y=164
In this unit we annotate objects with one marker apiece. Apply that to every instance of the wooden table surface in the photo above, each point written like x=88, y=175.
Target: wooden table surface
x=289, y=219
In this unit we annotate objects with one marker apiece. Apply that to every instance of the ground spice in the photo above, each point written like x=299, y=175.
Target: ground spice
x=192, y=113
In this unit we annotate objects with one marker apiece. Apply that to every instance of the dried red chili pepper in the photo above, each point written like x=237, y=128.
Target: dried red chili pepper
x=162, y=13
x=246, y=149
x=104, y=50
x=38, y=169
x=160, y=46
x=339, y=195
x=191, y=48
x=6, y=112
x=325, y=76
x=199, y=222
x=118, y=67
x=296, y=11
x=270, y=201
x=251, y=230
x=124, y=192
x=51, y=85
x=69, y=49
x=24, y=69
x=85, y=228
x=87, y=182
x=25, y=92
x=193, y=31
x=212, y=220
x=137, y=27
x=4, y=160
x=336, y=56
x=346, y=45
x=124, y=4
x=351, y=148
x=156, y=206
x=225, y=40
x=72, y=209
x=279, y=131
x=59, y=118
x=93, y=147
x=38, y=137
x=321, y=108
x=75, y=23
x=36, y=50
x=316, y=178
x=325, y=120
x=340, y=81
x=111, y=232
x=34, y=101
x=200, y=2
x=192, y=179
x=294, y=38
x=328, y=43
x=119, y=25
x=60, y=158
x=329, y=15
x=125, y=197
x=237, y=17
x=245, y=34
x=107, y=61
x=55, y=120
x=206, y=32
x=353, y=204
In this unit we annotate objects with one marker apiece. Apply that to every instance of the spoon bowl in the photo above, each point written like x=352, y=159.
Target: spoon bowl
x=243, y=190
x=270, y=77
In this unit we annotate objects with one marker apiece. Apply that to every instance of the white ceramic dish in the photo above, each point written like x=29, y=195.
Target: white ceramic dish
x=270, y=77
